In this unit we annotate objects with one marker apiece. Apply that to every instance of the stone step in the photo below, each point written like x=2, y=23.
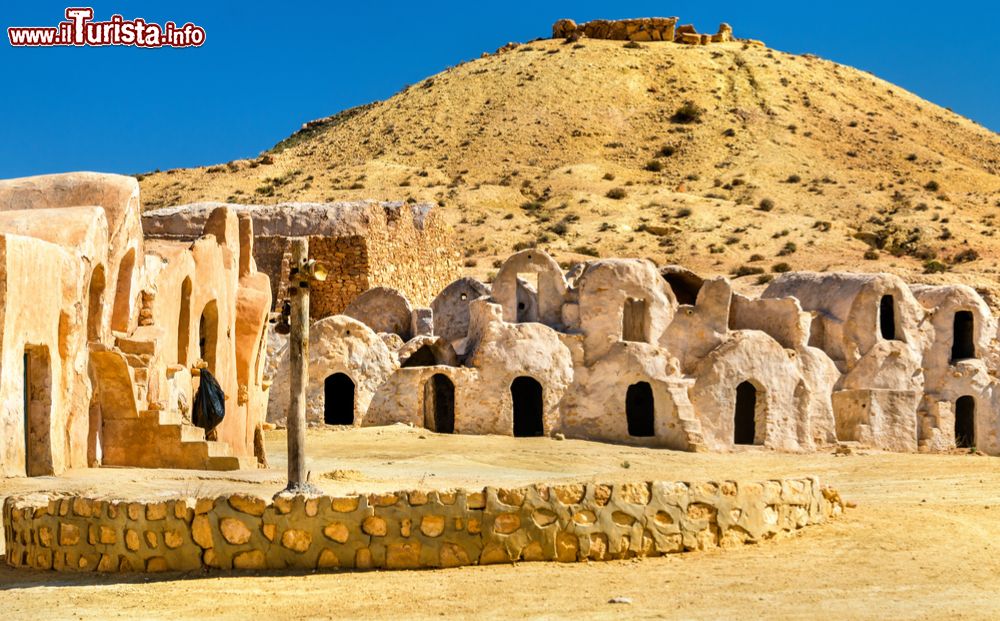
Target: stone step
x=190, y=433
x=136, y=346
x=232, y=463
x=218, y=449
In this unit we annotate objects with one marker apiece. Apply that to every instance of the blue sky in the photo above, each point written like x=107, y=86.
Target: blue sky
x=268, y=67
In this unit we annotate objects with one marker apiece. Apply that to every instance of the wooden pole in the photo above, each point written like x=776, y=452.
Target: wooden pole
x=298, y=352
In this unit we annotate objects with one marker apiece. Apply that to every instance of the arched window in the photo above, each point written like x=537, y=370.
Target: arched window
x=963, y=344
x=208, y=334
x=184, y=323
x=95, y=304
x=887, y=317
x=123, y=292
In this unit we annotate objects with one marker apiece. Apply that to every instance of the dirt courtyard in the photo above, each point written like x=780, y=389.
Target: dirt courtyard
x=922, y=542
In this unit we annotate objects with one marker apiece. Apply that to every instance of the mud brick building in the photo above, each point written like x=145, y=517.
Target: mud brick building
x=366, y=244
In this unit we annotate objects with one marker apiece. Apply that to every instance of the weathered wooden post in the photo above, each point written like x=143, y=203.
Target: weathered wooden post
x=298, y=353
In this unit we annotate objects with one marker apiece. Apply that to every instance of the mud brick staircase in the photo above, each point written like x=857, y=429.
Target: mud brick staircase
x=140, y=433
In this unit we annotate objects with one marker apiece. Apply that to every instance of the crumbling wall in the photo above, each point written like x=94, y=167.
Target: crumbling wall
x=411, y=249
x=640, y=29
x=407, y=530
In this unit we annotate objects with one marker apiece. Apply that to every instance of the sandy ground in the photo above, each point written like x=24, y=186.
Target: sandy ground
x=921, y=544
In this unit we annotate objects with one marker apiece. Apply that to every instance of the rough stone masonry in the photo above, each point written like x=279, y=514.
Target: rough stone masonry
x=407, y=530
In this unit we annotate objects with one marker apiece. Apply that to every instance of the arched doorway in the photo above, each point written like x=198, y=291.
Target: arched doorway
x=887, y=317
x=745, y=424
x=37, y=412
x=184, y=323
x=439, y=404
x=526, y=397
x=963, y=344
x=95, y=304
x=208, y=334
x=123, y=292
x=338, y=400
x=965, y=422
x=639, y=406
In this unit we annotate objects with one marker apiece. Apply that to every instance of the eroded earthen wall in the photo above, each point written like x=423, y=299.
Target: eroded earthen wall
x=414, y=253
x=349, y=276
x=407, y=530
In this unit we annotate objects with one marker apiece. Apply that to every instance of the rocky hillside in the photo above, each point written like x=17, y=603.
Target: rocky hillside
x=729, y=158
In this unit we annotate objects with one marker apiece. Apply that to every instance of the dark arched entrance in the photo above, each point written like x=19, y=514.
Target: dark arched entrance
x=965, y=422
x=639, y=410
x=887, y=317
x=338, y=400
x=184, y=323
x=962, y=344
x=95, y=304
x=745, y=428
x=526, y=395
x=439, y=404
x=208, y=334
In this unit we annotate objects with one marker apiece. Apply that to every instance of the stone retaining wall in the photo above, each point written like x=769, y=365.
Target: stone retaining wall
x=406, y=530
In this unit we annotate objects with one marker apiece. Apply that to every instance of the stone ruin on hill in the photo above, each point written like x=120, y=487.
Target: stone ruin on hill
x=641, y=30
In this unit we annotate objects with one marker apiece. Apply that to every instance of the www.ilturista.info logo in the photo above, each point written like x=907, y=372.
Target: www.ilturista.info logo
x=79, y=29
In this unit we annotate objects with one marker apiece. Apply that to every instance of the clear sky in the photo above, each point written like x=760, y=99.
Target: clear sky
x=268, y=67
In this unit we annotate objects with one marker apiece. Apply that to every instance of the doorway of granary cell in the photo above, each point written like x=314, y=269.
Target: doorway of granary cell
x=37, y=403
x=634, y=320
x=208, y=334
x=965, y=422
x=639, y=407
x=527, y=297
x=526, y=398
x=745, y=415
x=338, y=400
x=439, y=404
x=123, y=292
x=887, y=318
x=184, y=323
x=95, y=304
x=423, y=357
x=963, y=346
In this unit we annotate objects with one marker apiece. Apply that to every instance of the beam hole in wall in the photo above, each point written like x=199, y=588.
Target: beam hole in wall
x=37, y=388
x=526, y=398
x=208, y=334
x=635, y=318
x=963, y=344
x=887, y=318
x=639, y=410
x=745, y=426
x=95, y=304
x=184, y=323
x=338, y=400
x=439, y=404
x=965, y=422
x=123, y=293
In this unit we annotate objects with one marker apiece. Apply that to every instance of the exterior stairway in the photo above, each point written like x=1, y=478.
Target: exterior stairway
x=144, y=435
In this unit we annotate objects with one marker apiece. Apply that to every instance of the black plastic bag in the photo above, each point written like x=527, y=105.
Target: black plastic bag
x=209, y=403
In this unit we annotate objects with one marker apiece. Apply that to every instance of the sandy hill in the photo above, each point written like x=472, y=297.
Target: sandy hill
x=723, y=157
